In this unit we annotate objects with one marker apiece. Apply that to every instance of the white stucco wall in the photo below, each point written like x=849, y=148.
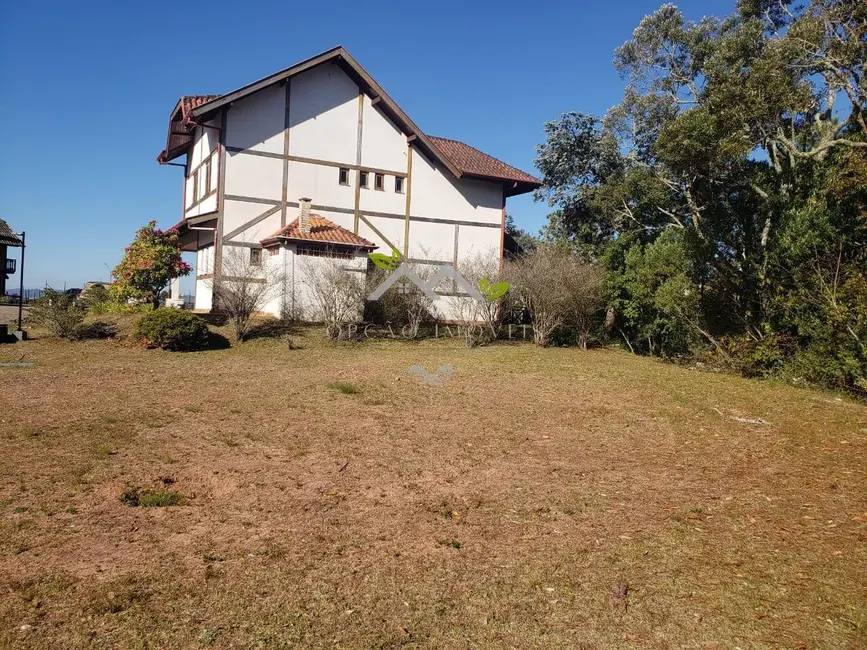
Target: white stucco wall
x=323, y=115
x=256, y=122
x=323, y=126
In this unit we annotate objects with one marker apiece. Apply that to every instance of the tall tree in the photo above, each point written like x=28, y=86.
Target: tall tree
x=731, y=132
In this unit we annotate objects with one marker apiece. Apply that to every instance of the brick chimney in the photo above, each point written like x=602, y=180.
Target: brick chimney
x=304, y=217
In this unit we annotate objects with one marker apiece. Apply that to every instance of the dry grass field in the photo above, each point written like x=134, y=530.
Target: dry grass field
x=325, y=497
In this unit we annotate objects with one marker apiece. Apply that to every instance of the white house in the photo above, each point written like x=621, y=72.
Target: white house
x=325, y=129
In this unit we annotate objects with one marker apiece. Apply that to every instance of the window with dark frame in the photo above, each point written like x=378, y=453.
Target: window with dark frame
x=320, y=250
x=207, y=177
x=344, y=176
x=256, y=256
x=379, y=182
x=363, y=180
x=398, y=184
x=195, y=193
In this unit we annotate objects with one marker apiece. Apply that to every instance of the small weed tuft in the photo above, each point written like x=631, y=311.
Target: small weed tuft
x=344, y=387
x=134, y=497
x=104, y=451
x=451, y=543
x=159, y=499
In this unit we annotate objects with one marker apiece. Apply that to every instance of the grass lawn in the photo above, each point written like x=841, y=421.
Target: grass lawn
x=321, y=497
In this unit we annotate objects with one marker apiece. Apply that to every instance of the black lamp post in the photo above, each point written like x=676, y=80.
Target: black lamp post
x=20, y=333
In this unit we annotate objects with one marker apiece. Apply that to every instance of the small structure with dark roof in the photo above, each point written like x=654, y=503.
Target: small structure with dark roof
x=8, y=239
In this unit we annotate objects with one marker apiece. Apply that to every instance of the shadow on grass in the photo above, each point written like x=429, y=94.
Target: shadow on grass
x=217, y=341
x=97, y=330
x=271, y=329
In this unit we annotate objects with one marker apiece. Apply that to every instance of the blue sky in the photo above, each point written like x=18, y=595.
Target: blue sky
x=86, y=89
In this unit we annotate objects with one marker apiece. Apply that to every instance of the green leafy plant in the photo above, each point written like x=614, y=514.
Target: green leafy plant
x=387, y=262
x=493, y=291
x=172, y=329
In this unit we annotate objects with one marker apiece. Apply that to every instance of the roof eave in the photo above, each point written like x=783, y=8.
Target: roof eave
x=513, y=186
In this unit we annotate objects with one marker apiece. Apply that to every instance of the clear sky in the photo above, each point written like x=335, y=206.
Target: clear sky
x=86, y=89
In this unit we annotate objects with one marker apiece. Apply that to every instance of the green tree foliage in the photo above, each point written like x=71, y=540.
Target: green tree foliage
x=149, y=263
x=726, y=193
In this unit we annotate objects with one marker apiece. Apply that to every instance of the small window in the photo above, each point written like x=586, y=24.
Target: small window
x=195, y=193
x=379, y=182
x=256, y=256
x=207, y=177
x=398, y=184
x=344, y=176
x=363, y=179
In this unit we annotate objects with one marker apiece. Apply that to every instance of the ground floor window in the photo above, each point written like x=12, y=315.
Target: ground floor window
x=324, y=250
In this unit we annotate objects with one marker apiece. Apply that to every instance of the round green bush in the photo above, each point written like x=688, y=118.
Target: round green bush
x=172, y=329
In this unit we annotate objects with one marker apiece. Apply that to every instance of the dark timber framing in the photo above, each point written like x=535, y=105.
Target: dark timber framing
x=408, y=189
x=221, y=203
x=281, y=206
x=376, y=230
x=314, y=161
x=358, y=159
x=285, y=194
x=369, y=213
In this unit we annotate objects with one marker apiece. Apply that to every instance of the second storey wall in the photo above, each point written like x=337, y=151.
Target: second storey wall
x=264, y=168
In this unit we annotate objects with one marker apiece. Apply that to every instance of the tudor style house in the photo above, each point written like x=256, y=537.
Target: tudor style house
x=317, y=160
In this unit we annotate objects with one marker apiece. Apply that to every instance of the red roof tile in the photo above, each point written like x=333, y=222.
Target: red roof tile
x=189, y=102
x=473, y=162
x=322, y=230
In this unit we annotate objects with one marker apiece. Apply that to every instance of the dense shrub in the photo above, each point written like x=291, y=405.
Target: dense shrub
x=172, y=329
x=57, y=312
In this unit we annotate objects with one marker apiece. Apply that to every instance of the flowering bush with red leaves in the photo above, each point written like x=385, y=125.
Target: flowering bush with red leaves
x=148, y=265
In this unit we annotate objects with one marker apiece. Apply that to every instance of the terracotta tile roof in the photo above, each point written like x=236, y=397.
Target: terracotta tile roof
x=189, y=102
x=473, y=162
x=180, y=136
x=7, y=235
x=322, y=230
